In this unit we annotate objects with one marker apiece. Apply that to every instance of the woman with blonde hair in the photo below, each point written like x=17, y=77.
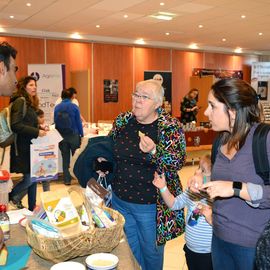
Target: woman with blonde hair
x=24, y=123
x=189, y=108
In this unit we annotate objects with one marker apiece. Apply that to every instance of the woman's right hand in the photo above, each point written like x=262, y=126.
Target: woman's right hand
x=42, y=133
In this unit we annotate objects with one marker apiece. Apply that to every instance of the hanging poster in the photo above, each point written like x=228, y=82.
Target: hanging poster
x=110, y=90
x=44, y=162
x=260, y=79
x=50, y=83
x=165, y=77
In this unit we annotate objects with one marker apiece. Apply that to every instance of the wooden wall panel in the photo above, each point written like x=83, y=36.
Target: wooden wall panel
x=81, y=80
x=112, y=62
x=75, y=55
x=125, y=63
x=182, y=66
x=222, y=61
x=30, y=51
x=150, y=59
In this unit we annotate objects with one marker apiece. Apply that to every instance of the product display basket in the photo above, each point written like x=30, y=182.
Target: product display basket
x=93, y=240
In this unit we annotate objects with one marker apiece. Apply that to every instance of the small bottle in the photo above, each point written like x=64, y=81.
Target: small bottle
x=4, y=221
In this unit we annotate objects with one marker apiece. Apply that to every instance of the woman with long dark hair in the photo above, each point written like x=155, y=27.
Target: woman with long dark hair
x=241, y=208
x=24, y=123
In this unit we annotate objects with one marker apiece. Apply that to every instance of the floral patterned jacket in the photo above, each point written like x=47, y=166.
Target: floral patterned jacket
x=169, y=158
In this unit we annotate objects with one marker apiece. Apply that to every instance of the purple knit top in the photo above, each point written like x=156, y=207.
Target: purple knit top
x=234, y=220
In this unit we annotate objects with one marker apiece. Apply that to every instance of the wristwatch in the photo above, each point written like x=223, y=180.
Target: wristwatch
x=237, y=186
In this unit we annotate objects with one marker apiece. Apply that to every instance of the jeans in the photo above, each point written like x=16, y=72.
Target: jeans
x=69, y=144
x=228, y=256
x=45, y=187
x=23, y=187
x=140, y=229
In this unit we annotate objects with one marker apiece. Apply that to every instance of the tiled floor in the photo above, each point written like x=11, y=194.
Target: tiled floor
x=174, y=254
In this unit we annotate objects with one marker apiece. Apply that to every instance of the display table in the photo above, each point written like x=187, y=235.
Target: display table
x=122, y=251
x=206, y=136
x=196, y=148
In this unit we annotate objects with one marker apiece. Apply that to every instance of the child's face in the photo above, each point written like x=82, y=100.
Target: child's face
x=205, y=165
x=41, y=119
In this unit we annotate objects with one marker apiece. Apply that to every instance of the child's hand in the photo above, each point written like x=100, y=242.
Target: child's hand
x=159, y=180
x=195, y=182
x=206, y=211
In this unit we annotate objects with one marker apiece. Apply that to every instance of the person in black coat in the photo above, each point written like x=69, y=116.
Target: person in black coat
x=189, y=108
x=25, y=125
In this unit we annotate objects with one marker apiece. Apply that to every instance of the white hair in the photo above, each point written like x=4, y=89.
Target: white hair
x=158, y=90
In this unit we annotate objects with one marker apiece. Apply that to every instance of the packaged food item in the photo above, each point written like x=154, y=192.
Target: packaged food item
x=102, y=218
x=61, y=212
x=4, y=221
x=141, y=134
x=3, y=255
x=43, y=227
x=84, y=218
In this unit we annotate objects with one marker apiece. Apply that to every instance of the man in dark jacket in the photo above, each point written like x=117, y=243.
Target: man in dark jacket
x=68, y=122
x=8, y=69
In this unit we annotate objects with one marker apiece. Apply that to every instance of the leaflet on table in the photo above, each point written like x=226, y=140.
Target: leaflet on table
x=44, y=162
x=16, y=215
x=52, y=136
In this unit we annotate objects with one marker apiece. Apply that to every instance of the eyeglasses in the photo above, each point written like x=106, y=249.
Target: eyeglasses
x=140, y=97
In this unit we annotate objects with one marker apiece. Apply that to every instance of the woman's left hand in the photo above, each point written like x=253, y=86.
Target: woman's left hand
x=146, y=144
x=218, y=189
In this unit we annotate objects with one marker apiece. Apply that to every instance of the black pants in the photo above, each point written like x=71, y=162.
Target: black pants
x=198, y=261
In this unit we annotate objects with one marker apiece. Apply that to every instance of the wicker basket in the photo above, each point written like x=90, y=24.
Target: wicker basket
x=88, y=242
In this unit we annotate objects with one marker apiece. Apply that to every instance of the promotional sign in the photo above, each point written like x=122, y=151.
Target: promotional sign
x=260, y=79
x=50, y=83
x=218, y=73
x=44, y=162
x=110, y=90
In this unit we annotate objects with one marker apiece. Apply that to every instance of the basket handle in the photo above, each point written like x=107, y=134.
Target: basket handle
x=78, y=190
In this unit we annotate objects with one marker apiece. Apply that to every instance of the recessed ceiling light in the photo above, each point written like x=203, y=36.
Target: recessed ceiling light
x=163, y=16
x=125, y=16
x=167, y=34
x=243, y=16
x=200, y=26
x=76, y=36
x=140, y=41
x=260, y=34
x=224, y=39
x=11, y=17
x=162, y=4
x=238, y=50
x=29, y=4
x=97, y=26
x=193, y=46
